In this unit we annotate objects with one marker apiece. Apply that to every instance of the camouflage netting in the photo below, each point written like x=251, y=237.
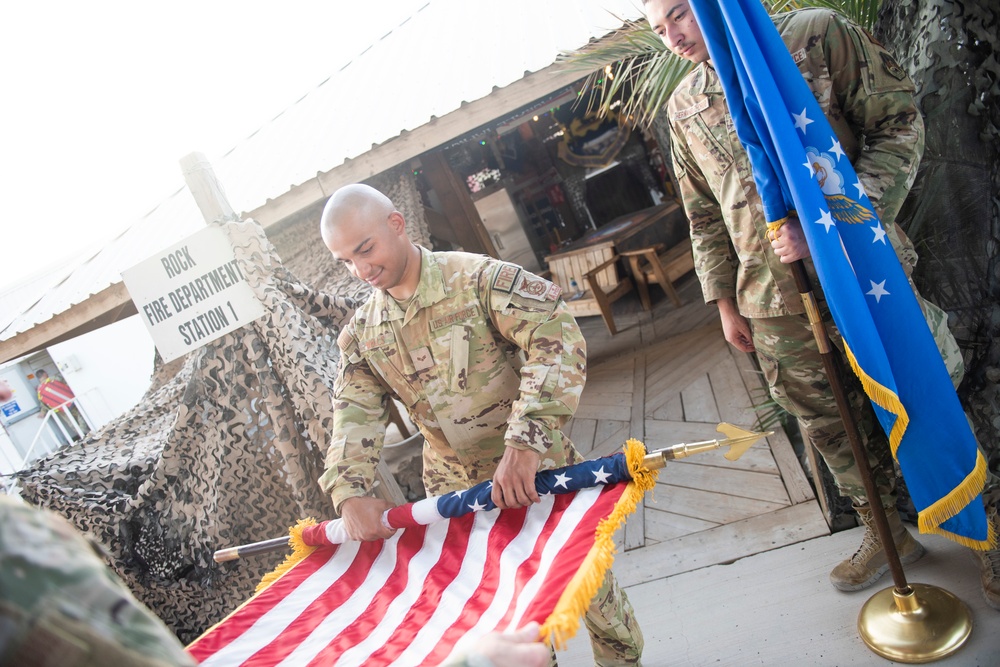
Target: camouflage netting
x=952, y=51
x=226, y=446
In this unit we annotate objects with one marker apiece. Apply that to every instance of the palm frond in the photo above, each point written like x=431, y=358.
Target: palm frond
x=633, y=68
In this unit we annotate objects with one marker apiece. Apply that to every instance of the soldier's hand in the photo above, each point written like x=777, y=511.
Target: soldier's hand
x=789, y=242
x=514, y=480
x=735, y=327
x=522, y=648
x=362, y=517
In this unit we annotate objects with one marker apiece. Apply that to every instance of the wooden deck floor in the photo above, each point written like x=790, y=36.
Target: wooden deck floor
x=670, y=377
x=727, y=563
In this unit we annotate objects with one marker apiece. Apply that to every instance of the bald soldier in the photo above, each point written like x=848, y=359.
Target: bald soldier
x=487, y=361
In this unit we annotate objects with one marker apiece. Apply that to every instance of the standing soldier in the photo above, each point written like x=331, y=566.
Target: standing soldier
x=489, y=364
x=745, y=270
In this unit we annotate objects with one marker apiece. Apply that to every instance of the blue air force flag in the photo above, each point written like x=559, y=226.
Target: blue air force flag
x=799, y=166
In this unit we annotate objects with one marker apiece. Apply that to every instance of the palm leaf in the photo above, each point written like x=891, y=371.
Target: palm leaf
x=634, y=70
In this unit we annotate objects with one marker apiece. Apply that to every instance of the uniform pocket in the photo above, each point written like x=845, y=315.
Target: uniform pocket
x=393, y=378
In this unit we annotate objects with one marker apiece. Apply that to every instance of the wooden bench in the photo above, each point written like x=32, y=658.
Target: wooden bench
x=663, y=267
x=594, y=272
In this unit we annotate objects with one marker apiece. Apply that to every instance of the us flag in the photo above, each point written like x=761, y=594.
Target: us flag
x=456, y=569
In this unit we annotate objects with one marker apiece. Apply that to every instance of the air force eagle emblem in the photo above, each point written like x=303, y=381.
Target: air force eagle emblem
x=823, y=167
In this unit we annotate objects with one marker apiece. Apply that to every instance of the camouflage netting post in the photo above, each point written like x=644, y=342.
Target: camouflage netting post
x=952, y=52
x=227, y=448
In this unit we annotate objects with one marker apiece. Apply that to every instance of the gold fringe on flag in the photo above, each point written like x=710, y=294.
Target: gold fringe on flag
x=299, y=551
x=564, y=621
x=883, y=397
x=929, y=520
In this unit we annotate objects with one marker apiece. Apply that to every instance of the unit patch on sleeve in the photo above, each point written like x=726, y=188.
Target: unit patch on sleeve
x=537, y=288
x=891, y=67
x=506, y=278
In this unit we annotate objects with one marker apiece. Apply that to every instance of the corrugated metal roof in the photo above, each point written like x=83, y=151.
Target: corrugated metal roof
x=447, y=53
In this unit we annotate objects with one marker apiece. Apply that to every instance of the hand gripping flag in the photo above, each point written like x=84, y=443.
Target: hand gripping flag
x=453, y=571
x=889, y=345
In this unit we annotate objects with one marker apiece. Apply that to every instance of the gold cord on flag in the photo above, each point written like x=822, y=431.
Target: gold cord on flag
x=564, y=621
x=299, y=551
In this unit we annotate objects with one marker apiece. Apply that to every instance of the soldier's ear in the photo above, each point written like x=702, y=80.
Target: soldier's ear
x=397, y=223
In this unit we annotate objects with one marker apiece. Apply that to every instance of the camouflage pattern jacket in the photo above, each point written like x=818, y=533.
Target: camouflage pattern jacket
x=484, y=356
x=868, y=100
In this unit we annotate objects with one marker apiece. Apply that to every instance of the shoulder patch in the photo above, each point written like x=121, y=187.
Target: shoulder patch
x=799, y=56
x=538, y=289
x=506, y=278
x=344, y=338
x=691, y=110
x=891, y=67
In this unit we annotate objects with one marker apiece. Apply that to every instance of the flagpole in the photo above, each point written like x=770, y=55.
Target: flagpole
x=918, y=623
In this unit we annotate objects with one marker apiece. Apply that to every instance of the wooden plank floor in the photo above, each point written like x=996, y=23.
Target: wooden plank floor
x=778, y=608
x=670, y=377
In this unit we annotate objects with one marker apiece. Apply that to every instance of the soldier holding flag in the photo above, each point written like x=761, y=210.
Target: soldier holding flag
x=868, y=100
x=488, y=363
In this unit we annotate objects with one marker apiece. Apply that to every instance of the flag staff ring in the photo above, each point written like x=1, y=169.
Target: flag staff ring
x=907, y=623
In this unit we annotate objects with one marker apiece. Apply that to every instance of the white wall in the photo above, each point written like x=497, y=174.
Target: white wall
x=109, y=369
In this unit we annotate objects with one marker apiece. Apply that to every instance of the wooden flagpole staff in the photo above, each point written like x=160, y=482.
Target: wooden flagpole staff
x=912, y=624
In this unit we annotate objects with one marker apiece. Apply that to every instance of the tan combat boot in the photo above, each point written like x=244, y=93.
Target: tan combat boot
x=869, y=562
x=989, y=566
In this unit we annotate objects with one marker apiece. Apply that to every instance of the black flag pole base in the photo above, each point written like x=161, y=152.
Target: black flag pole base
x=925, y=624
x=907, y=623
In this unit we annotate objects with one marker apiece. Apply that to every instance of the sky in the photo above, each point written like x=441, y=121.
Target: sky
x=101, y=100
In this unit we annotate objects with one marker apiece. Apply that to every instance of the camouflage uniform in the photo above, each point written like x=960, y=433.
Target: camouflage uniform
x=867, y=97
x=484, y=356
x=61, y=606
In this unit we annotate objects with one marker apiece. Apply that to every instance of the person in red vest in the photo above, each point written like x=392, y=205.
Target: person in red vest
x=56, y=396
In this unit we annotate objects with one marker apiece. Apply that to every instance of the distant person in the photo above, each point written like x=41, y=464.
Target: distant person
x=56, y=396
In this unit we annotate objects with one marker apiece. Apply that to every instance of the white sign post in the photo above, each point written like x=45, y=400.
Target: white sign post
x=192, y=293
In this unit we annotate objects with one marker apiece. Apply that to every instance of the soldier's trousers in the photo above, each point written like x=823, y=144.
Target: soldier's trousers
x=615, y=636
x=790, y=360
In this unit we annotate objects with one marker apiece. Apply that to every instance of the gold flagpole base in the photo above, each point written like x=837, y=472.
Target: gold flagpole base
x=924, y=625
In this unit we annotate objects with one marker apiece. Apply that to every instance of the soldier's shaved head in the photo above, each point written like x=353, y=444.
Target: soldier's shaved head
x=365, y=232
x=354, y=202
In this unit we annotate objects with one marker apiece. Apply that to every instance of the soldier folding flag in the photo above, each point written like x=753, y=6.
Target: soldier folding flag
x=799, y=166
x=453, y=572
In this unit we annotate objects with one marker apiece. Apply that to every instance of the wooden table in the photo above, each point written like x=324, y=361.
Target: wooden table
x=595, y=254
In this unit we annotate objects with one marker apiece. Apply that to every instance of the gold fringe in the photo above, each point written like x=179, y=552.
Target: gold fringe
x=564, y=621
x=930, y=520
x=299, y=551
x=884, y=398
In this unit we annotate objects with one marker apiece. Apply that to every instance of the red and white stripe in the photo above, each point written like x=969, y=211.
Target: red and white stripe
x=419, y=596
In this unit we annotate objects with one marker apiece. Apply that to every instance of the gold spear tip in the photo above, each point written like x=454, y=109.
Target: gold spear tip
x=739, y=440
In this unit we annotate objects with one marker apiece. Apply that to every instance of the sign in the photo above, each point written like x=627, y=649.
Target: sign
x=10, y=409
x=192, y=293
